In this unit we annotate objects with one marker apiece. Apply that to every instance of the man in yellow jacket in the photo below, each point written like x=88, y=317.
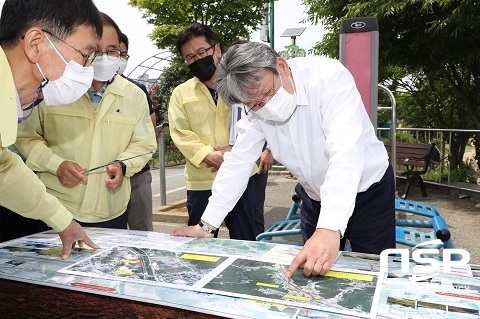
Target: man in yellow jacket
x=200, y=128
x=23, y=49
x=108, y=124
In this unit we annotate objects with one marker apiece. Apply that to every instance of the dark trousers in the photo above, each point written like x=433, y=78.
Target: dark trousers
x=260, y=186
x=371, y=228
x=239, y=221
x=140, y=206
x=13, y=225
x=119, y=222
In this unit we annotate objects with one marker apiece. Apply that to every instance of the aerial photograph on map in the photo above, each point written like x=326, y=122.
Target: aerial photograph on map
x=147, y=265
x=44, y=250
x=353, y=293
x=359, y=261
x=244, y=248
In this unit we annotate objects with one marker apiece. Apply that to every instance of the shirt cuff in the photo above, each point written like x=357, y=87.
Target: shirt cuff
x=213, y=216
x=60, y=220
x=331, y=221
x=198, y=158
x=54, y=163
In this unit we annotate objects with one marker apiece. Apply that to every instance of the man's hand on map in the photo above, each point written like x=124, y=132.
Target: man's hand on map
x=318, y=253
x=192, y=231
x=73, y=234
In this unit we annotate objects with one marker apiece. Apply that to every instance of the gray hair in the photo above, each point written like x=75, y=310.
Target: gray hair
x=241, y=68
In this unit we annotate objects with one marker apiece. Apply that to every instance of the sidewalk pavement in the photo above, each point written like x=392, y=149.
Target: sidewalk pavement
x=278, y=199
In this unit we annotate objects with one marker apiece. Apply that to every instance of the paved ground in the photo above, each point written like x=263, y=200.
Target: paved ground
x=462, y=215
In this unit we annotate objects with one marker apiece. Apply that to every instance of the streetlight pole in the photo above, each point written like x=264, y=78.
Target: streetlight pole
x=272, y=24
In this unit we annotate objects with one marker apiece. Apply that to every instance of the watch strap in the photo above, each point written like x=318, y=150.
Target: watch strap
x=206, y=228
x=124, y=167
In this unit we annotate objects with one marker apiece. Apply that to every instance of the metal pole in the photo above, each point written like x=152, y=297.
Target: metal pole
x=161, y=130
x=393, y=127
x=272, y=25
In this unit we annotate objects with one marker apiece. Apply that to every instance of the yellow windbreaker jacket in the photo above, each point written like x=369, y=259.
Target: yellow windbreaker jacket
x=119, y=128
x=20, y=190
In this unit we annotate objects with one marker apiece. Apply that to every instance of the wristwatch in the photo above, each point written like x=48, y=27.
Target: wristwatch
x=206, y=228
x=124, y=167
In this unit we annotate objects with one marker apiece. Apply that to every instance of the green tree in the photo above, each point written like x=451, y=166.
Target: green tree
x=230, y=20
x=428, y=48
x=430, y=101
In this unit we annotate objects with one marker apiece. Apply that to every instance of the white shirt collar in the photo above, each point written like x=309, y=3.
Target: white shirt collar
x=19, y=106
x=299, y=87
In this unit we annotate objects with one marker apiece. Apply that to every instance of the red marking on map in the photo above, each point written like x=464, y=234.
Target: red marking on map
x=94, y=287
x=458, y=295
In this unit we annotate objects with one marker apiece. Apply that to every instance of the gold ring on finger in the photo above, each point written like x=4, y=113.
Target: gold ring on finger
x=319, y=262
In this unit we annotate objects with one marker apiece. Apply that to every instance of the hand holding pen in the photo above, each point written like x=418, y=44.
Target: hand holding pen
x=115, y=172
x=71, y=174
x=115, y=161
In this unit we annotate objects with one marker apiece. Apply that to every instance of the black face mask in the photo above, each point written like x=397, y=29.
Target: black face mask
x=204, y=68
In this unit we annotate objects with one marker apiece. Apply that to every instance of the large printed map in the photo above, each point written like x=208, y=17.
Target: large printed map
x=236, y=279
x=170, y=268
x=342, y=292
x=339, y=291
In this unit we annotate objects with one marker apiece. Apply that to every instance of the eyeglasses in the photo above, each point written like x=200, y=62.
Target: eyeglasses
x=89, y=59
x=124, y=56
x=201, y=53
x=112, y=53
x=264, y=100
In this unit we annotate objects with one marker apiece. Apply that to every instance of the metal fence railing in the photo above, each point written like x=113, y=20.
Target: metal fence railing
x=441, y=175
x=171, y=154
x=167, y=154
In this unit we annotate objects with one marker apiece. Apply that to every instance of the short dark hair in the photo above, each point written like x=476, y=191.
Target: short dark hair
x=124, y=39
x=57, y=16
x=107, y=21
x=195, y=30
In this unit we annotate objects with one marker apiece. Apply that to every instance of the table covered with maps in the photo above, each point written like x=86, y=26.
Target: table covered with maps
x=211, y=278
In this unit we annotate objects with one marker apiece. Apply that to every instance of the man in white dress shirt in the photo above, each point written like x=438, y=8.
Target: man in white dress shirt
x=310, y=113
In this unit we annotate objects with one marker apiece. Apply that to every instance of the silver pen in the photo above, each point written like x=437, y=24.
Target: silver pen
x=113, y=162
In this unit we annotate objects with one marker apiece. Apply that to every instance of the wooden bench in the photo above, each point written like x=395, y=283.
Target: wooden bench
x=415, y=159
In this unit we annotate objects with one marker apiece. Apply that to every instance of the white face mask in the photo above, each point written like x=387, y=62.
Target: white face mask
x=105, y=68
x=74, y=83
x=122, y=66
x=280, y=107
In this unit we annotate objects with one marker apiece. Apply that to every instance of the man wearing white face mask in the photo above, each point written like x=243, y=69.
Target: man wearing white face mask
x=110, y=123
x=24, y=46
x=74, y=82
x=310, y=113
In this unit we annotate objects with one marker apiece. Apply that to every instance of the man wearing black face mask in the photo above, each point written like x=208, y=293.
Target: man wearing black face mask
x=199, y=127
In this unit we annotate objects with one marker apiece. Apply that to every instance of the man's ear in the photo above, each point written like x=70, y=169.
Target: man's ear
x=283, y=65
x=219, y=50
x=32, y=43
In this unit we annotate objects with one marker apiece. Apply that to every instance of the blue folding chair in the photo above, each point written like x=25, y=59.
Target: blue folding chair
x=411, y=231
x=289, y=226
